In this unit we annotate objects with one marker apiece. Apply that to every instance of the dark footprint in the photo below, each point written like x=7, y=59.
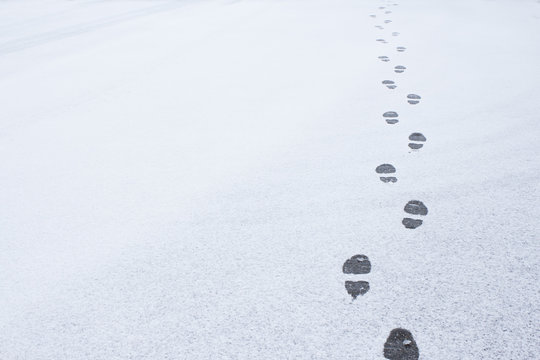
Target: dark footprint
x=400, y=345
x=384, y=58
x=395, y=33
x=414, y=207
x=386, y=169
x=418, y=139
x=413, y=99
x=389, y=84
x=355, y=288
x=391, y=117
x=411, y=223
x=400, y=69
x=401, y=48
x=382, y=41
x=357, y=265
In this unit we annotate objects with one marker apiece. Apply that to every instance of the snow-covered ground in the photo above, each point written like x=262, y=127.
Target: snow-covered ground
x=185, y=179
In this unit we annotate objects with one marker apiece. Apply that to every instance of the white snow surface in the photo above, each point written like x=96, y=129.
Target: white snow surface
x=184, y=179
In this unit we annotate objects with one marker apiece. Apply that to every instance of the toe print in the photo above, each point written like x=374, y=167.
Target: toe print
x=399, y=69
x=384, y=58
x=417, y=141
x=357, y=265
x=391, y=117
x=389, y=84
x=386, y=169
x=413, y=99
x=414, y=207
x=401, y=48
x=400, y=345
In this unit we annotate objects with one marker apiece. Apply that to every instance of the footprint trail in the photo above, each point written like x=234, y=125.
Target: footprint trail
x=386, y=169
x=413, y=99
x=417, y=140
x=414, y=207
x=390, y=84
x=391, y=117
x=357, y=265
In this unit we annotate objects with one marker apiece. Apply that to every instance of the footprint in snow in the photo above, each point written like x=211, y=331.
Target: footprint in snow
x=382, y=41
x=384, y=58
x=401, y=48
x=387, y=21
x=389, y=84
x=391, y=117
x=399, y=69
x=386, y=169
x=381, y=7
x=417, y=141
x=387, y=12
x=414, y=207
x=373, y=15
x=413, y=99
x=379, y=27
x=357, y=265
x=395, y=33
x=400, y=345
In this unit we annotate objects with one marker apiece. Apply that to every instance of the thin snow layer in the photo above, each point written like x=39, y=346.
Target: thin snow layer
x=185, y=179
